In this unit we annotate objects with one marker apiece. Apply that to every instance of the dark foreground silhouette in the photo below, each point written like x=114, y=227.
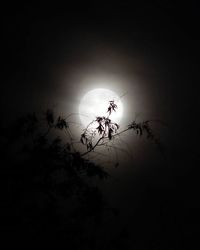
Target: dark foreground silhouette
x=49, y=198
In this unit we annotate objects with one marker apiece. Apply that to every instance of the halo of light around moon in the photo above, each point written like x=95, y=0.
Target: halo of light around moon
x=95, y=103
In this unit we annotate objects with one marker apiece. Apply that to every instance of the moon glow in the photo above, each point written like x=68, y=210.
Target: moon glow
x=95, y=103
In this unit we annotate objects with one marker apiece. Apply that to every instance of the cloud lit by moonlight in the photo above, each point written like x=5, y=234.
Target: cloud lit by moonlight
x=95, y=103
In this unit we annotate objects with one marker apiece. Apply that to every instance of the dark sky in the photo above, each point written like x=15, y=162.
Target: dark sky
x=156, y=43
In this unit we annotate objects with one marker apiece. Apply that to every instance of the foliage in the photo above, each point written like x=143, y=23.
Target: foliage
x=52, y=195
x=106, y=131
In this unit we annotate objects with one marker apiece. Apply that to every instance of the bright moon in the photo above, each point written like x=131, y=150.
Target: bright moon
x=95, y=103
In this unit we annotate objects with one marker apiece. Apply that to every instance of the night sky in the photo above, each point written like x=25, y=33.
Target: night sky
x=53, y=54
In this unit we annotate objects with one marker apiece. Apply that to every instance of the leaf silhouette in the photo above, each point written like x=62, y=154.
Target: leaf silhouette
x=112, y=107
x=61, y=123
x=100, y=128
x=110, y=131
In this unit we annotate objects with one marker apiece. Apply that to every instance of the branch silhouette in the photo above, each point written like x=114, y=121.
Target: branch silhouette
x=107, y=130
x=58, y=175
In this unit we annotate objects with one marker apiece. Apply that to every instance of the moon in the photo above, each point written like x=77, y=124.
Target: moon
x=95, y=103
